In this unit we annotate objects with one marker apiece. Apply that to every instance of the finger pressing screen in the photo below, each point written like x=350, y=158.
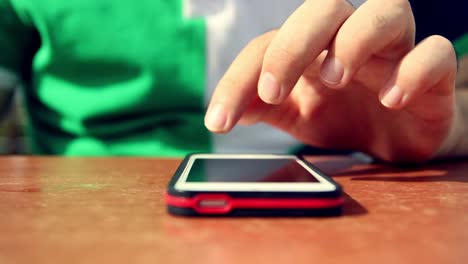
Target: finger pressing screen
x=238, y=87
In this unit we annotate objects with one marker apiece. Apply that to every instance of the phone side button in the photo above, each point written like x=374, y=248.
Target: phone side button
x=212, y=204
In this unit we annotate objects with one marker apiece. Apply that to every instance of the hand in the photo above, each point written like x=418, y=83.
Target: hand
x=337, y=77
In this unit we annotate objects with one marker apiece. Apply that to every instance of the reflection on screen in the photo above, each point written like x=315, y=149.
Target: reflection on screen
x=248, y=170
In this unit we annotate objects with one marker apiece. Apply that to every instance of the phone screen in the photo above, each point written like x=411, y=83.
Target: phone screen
x=248, y=171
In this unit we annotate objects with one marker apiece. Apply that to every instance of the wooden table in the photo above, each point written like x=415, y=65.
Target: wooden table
x=111, y=210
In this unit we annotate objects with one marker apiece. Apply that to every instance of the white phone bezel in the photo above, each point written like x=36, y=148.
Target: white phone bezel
x=320, y=186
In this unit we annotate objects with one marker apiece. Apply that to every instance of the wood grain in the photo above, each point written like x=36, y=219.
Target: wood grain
x=111, y=210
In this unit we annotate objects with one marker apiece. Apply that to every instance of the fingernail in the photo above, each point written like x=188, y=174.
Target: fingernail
x=392, y=97
x=332, y=71
x=269, y=88
x=215, y=119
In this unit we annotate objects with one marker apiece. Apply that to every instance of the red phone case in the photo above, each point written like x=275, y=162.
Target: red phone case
x=193, y=203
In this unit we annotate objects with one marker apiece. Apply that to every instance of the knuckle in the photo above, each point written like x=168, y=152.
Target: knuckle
x=443, y=45
x=284, y=53
x=403, y=10
x=337, y=6
x=396, y=12
x=228, y=82
x=399, y=6
x=286, y=62
x=332, y=8
x=403, y=4
x=261, y=42
x=393, y=18
x=439, y=42
x=380, y=22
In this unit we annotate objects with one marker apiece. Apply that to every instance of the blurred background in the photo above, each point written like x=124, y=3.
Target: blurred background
x=447, y=18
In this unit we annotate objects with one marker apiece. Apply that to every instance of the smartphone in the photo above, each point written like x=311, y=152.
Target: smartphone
x=244, y=184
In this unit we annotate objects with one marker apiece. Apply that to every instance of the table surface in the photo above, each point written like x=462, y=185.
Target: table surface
x=111, y=210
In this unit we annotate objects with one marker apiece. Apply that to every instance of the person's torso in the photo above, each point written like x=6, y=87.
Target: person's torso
x=126, y=77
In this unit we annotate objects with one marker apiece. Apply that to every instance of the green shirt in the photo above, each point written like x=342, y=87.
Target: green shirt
x=108, y=77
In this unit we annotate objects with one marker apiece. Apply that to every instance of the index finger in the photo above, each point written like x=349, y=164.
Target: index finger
x=238, y=87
